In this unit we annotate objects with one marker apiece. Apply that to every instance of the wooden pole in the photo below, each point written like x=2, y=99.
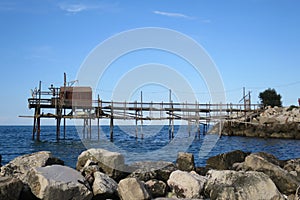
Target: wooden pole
x=90, y=128
x=197, y=119
x=64, y=123
x=34, y=124
x=170, y=115
x=39, y=113
x=111, y=128
x=111, y=123
x=83, y=131
x=38, y=125
x=58, y=128
x=142, y=134
x=136, y=120
x=98, y=118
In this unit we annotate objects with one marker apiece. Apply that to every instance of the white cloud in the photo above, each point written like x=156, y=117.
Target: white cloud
x=73, y=8
x=170, y=14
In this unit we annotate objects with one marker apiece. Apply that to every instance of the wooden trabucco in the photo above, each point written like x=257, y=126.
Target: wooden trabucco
x=69, y=102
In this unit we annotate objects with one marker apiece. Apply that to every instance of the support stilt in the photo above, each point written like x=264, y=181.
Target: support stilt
x=189, y=127
x=98, y=118
x=111, y=128
x=90, y=128
x=98, y=127
x=64, y=124
x=112, y=123
x=142, y=134
x=38, y=125
x=58, y=119
x=34, y=124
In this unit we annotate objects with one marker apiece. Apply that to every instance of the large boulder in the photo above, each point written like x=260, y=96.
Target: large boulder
x=132, y=189
x=226, y=160
x=148, y=170
x=10, y=188
x=285, y=182
x=228, y=184
x=157, y=188
x=185, y=161
x=57, y=182
x=19, y=166
x=186, y=184
x=104, y=186
x=111, y=163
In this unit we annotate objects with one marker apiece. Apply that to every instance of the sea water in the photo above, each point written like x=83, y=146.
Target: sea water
x=155, y=145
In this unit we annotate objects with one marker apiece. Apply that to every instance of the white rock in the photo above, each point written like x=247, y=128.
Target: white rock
x=19, y=166
x=285, y=182
x=103, y=185
x=57, y=182
x=229, y=184
x=186, y=185
x=110, y=162
x=132, y=189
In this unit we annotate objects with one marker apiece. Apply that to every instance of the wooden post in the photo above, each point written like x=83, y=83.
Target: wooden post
x=98, y=118
x=39, y=113
x=38, y=125
x=64, y=123
x=98, y=127
x=83, y=131
x=172, y=129
x=34, y=124
x=142, y=134
x=111, y=128
x=111, y=123
x=189, y=128
x=197, y=119
x=90, y=128
x=58, y=128
x=136, y=120
x=171, y=122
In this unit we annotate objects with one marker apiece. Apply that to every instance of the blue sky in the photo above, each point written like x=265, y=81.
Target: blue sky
x=254, y=43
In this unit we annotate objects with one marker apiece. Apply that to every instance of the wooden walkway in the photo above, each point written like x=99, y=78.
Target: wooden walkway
x=63, y=106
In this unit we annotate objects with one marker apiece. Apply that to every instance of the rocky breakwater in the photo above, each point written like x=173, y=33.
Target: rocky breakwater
x=99, y=175
x=277, y=122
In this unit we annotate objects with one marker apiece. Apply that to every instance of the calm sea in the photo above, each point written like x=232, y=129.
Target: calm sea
x=156, y=145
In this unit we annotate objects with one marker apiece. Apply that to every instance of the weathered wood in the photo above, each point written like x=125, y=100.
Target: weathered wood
x=193, y=113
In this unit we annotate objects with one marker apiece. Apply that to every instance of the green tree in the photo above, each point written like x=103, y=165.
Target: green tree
x=270, y=97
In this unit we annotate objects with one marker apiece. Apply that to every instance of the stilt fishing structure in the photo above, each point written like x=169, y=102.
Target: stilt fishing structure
x=74, y=102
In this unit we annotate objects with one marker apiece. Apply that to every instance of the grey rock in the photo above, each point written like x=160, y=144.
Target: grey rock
x=132, y=189
x=185, y=161
x=10, y=188
x=186, y=185
x=156, y=188
x=111, y=163
x=226, y=160
x=57, y=182
x=228, y=184
x=285, y=182
x=104, y=186
x=145, y=171
x=19, y=166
